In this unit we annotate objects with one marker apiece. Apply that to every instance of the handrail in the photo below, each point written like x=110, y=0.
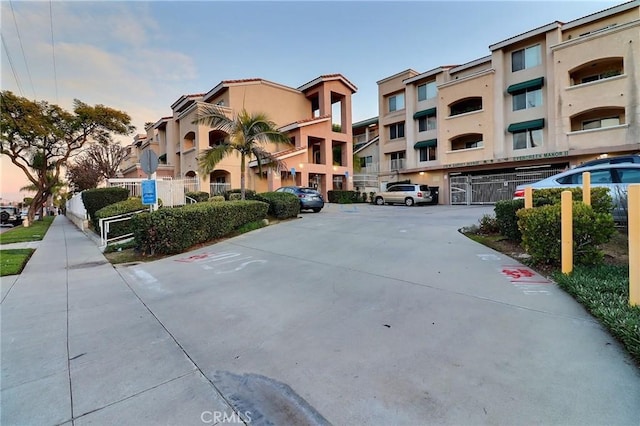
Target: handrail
x=104, y=223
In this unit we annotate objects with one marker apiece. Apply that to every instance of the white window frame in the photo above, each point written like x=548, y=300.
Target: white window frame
x=396, y=102
x=532, y=57
x=598, y=123
x=396, y=126
x=427, y=91
x=429, y=124
x=532, y=139
x=533, y=99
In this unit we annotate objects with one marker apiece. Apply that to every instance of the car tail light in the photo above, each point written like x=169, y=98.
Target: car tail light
x=519, y=193
x=419, y=194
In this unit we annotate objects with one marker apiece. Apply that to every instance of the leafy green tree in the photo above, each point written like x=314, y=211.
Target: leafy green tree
x=247, y=134
x=39, y=137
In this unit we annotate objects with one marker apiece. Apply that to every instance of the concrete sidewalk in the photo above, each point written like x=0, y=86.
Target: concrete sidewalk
x=79, y=347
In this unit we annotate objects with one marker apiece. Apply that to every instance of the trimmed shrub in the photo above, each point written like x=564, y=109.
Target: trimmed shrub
x=488, y=225
x=127, y=206
x=282, y=205
x=199, y=196
x=248, y=194
x=506, y=210
x=95, y=199
x=216, y=198
x=235, y=196
x=170, y=231
x=541, y=233
x=344, y=197
x=506, y=219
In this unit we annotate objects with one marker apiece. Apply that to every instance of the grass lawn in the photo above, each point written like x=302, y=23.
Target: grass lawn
x=12, y=261
x=20, y=234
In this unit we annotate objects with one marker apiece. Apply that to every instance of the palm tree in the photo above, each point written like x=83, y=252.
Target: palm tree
x=248, y=133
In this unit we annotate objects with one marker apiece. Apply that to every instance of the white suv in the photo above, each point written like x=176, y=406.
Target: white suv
x=408, y=194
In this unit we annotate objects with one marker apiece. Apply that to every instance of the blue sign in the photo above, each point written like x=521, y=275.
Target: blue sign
x=293, y=171
x=149, y=192
x=346, y=174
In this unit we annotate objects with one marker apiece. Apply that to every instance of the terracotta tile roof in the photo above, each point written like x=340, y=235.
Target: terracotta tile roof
x=306, y=120
x=244, y=80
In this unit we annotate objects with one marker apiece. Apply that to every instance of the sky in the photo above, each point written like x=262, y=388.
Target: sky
x=140, y=57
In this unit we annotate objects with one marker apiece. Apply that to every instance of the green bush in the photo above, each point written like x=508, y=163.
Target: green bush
x=199, y=196
x=488, y=225
x=248, y=194
x=235, y=196
x=95, y=199
x=216, y=198
x=282, y=205
x=506, y=219
x=506, y=210
x=127, y=206
x=170, y=231
x=541, y=233
x=343, y=197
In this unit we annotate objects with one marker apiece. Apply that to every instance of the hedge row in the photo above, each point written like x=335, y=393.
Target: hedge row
x=173, y=230
x=95, y=199
x=282, y=205
x=117, y=229
x=199, y=196
x=345, y=197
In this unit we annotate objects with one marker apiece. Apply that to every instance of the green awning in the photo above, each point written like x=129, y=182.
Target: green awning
x=526, y=125
x=426, y=144
x=424, y=113
x=536, y=83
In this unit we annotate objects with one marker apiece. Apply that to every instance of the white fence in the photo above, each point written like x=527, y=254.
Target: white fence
x=76, y=212
x=171, y=192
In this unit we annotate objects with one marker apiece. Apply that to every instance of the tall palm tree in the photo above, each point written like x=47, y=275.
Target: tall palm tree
x=248, y=133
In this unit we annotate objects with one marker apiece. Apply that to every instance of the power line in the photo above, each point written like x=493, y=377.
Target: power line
x=15, y=75
x=15, y=22
x=53, y=50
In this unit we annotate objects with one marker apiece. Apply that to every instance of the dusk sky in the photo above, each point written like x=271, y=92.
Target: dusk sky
x=140, y=57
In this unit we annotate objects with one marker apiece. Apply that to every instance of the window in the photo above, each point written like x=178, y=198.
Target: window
x=597, y=176
x=527, y=139
x=427, y=123
x=396, y=131
x=427, y=91
x=529, y=98
x=397, y=160
x=600, y=122
x=526, y=58
x=366, y=161
x=629, y=175
x=428, y=153
x=601, y=76
x=396, y=102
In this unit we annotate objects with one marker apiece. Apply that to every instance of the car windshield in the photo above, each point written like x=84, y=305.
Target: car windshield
x=308, y=190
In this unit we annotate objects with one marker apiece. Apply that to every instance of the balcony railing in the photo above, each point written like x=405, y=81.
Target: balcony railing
x=219, y=188
x=398, y=164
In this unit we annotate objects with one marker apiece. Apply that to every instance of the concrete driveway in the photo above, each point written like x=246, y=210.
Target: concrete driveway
x=385, y=315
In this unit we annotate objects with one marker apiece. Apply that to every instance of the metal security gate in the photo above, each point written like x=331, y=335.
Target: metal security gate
x=487, y=189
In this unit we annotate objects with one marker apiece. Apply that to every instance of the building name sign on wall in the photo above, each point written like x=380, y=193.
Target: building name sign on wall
x=504, y=160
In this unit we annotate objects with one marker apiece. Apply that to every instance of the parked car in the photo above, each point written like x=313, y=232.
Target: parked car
x=310, y=199
x=408, y=194
x=616, y=177
x=635, y=158
x=10, y=215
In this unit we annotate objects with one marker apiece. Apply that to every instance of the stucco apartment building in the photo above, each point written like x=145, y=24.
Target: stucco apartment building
x=316, y=116
x=550, y=98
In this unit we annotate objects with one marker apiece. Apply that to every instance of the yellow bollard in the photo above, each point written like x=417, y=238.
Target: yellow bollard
x=528, y=197
x=566, y=226
x=633, y=203
x=586, y=188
